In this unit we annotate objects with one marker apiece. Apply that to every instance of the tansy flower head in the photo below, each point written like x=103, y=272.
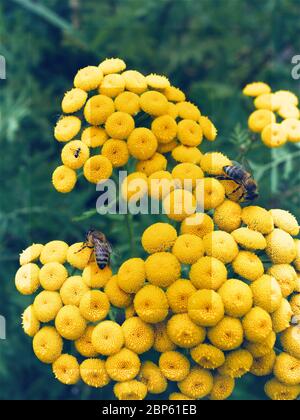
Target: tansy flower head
x=199, y=224
x=227, y=335
x=164, y=128
x=290, y=340
x=155, y=163
x=267, y=293
x=93, y=373
x=134, y=186
x=208, y=356
x=116, y=295
x=178, y=294
x=27, y=279
x=257, y=325
x=209, y=130
x=237, y=298
x=220, y=245
x=227, y=216
x=97, y=169
x=205, y=308
x=179, y=204
x=256, y=89
x=116, y=151
x=189, y=133
x=73, y=100
x=66, y=369
x=160, y=183
x=214, y=162
x=257, y=218
x=67, y=128
x=94, y=305
x=210, y=193
x=98, y=108
x=131, y=275
x=54, y=251
x=130, y=390
x=292, y=128
x=280, y=247
x=112, y=85
x=142, y=143
x=30, y=322
x=162, y=341
x=184, y=154
x=289, y=111
x=107, y=338
x=31, y=254
x=189, y=111
x=84, y=344
x=128, y=102
x=88, y=78
x=260, y=119
x=285, y=96
x=112, y=65
x=52, y=276
x=187, y=172
x=151, y=304
x=263, y=348
x=223, y=388
x=70, y=323
x=94, y=277
x=263, y=366
x=154, y=103
x=78, y=256
x=286, y=221
x=274, y=135
x=249, y=239
x=155, y=81
x=119, y=125
x=208, y=273
x=282, y=317
x=174, y=94
x=278, y=391
x=267, y=101
x=46, y=305
x=159, y=237
x=151, y=376
x=47, y=345
x=184, y=332
x=94, y=136
x=172, y=112
x=64, y=179
x=174, y=365
x=188, y=248
x=123, y=366
x=248, y=265
x=286, y=276
x=162, y=269
x=237, y=364
x=287, y=369
x=198, y=384
x=135, y=82
x=139, y=336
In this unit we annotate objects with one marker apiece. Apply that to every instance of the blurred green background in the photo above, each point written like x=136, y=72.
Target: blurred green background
x=209, y=48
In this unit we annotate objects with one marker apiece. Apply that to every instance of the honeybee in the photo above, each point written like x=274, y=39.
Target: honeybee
x=102, y=248
x=244, y=180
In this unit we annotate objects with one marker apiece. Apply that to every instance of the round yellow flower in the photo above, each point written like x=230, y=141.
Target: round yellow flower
x=189, y=133
x=210, y=193
x=295, y=304
x=27, y=279
x=142, y=143
x=179, y=204
x=119, y=125
x=77, y=256
x=274, y=135
x=130, y=390
x=64, y=179
x=94, y=277
x=97, y=169
x=154, y=103
x=287, y=369
x=112, y=85
x=289, y=111
x=116, y=151
x=149, y=166
x=159, y=237
x=267, y=101
x=135, y=81
x=208, y=273
x=151, y=304
x=205, y=308
x=184, y=332
x=184, y=154
x=256, y=89
x=164, y=128
x=73, y=100
x=260, y=119
x=84, y=344
x=123, y=366
x=257, y=325
x=128, y=102
x=52, y=276
x=199, y=224
x=117, y=296
x=188, y=248
x=134, y=186
x=188, y=173
x=94, y=305
x=248, y=265
x=282, y=317
x=30, y=322
x=223, y=388
x=249, y=239
x=290, y=340
x=54, y=251
x=151, y=376
x=277, y=391
x=257, y=218
x=31, y=254
x=67, y=128
x=112, y=65
x=160, y=184
x=286, y=221
x=188, y=111
x=156, y=81
x=286, y=96
x=139, y=336
x=292, y=127
x=98, y=108
x=237, y=364
x=208, y=128
x=198, y=384
x=93, y=373
x=178, y=396
x=227, y=335
x=47, y=345
x=237, y=298
x=266, y=293
x=208, y=356
x=220, y=245
x=280, y=247
x=131, y=275
x=66, y=369
x=263, y=348
x=75, y=154
x=214, y=162
x=286, y=276
x=174, y=365
x=172, y=112
x=162, y=341
x=162, y=269
x=70, y=323
x=174, y=94
x=178, y=294
x=94, y=136
x=88, y=78
x=107, y=338
x=47, y=305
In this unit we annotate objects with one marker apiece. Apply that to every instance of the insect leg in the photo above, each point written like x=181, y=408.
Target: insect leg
x=83, y=247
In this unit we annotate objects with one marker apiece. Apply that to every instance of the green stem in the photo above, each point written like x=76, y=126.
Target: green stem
x=130, y=229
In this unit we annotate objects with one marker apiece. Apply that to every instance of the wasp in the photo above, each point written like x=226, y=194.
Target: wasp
x=244, y=180
x=102, y=248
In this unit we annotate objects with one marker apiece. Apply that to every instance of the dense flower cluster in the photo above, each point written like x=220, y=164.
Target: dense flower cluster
x=112, y=114
x=277, y=116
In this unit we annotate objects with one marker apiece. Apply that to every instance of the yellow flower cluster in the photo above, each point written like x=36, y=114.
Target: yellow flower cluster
x=113, y=114
x=277, y=115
